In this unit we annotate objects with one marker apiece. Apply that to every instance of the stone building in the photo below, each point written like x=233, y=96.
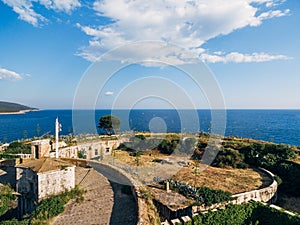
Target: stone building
x=40, y=148
x=40, y=178
x=90, y=150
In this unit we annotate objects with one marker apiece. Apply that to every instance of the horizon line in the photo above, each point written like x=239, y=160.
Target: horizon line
x=173, y=109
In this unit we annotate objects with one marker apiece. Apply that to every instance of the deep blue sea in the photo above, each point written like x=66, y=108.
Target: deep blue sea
x=280, y=126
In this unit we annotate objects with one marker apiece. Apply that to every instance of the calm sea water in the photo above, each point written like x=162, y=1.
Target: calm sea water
x=280, y=126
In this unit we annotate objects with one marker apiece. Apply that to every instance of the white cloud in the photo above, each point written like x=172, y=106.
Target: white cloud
x=9, y=75
x=26, y=12
x=188, y=24
x=275, y=13
x=146, y=53
x=268, y=3
x=61, y=5
x=109, y=93
x=237, y=57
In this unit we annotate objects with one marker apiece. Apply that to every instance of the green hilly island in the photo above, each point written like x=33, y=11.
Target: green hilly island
x=9, y=107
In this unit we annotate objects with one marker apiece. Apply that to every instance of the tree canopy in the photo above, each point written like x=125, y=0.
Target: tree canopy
x=110, y=124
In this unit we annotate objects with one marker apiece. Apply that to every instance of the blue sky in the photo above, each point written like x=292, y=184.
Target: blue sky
x=251, y=48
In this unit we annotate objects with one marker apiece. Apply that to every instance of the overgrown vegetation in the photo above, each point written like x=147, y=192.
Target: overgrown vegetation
x=15, y=148
x=18, y=147
x=246, y=214
x=151, y=215
x=139, y=143
x=242, y=153
x=15, y=222
x=168, y=145
x=203, y=195
x=49, y=208
x=6, y=198
x=230, y=157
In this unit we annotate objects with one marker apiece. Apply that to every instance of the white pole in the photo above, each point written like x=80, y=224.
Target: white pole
x=56, y=137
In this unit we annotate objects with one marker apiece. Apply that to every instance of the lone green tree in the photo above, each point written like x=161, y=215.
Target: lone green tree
x=110, y=124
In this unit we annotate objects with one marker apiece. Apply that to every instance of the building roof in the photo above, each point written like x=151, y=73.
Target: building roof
x=41, y=141
x=45, y=164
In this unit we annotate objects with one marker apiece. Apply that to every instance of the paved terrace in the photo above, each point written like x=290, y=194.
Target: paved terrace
x=104, y=202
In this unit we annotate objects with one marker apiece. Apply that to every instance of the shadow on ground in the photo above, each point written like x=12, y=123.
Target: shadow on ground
x=125, y=207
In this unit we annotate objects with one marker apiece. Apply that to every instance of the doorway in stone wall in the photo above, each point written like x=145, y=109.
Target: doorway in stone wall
x=36, y=151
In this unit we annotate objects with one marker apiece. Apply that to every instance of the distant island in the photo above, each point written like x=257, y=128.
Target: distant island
x=14, y=108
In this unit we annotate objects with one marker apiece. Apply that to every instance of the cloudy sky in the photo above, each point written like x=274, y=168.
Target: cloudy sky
x=251, y=49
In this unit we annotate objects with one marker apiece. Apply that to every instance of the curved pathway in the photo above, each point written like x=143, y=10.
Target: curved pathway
x=105, y=202
x=98, y=201
x=125, y=207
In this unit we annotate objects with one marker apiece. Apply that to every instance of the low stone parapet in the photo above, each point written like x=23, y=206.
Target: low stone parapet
x=261, y=195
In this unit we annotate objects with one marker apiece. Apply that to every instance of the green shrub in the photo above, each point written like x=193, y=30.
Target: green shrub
x=252, y=213
x=203, y=195
x=230, y=157
x=6, y=198
x=49, y=208
x=168, y=146
x=278, y=180
x=14, y=222
x=18, y=147
x=274, y=157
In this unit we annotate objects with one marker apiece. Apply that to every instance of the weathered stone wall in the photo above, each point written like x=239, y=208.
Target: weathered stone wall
x=27, y=187
x=26, y=180
x=168, y=214
x=68, y=152
x=40, y=148
x=90, y=150
x=54, y=182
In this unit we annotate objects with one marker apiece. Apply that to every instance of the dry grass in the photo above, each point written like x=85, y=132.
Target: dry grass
x=144, y=160
x=297, y=159
x=233, y=180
